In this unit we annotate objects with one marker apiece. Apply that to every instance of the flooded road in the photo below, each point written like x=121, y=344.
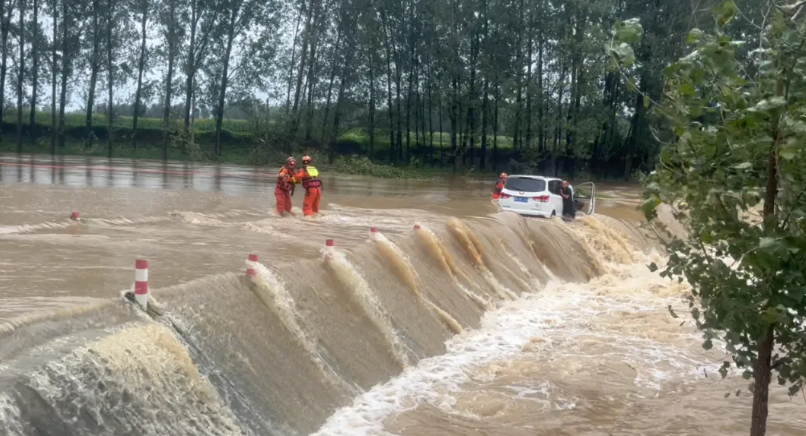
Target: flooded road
x=475, y=322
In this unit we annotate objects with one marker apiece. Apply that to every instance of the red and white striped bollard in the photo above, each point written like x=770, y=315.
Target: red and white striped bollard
x=141, y=282
x=250, y=268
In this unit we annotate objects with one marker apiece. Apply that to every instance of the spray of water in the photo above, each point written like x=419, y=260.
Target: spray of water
x=439, y=252
x=272, y=292
x=471, y=246
x=402, y=267
x=352, y=281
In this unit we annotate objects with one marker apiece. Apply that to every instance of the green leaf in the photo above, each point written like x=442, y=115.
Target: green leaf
x=788, y=153
x=767, y=105
x=743, y=166
x=686, y=89
x=724, y=13
x=649, y=205
x=694, y=36
x=653, y=267
x=768, y=243
x=629, y=31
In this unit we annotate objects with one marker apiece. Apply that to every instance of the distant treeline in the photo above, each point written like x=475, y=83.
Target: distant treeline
x=302, y=73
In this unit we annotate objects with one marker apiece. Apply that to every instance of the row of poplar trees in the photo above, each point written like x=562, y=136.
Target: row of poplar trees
x=531, y=75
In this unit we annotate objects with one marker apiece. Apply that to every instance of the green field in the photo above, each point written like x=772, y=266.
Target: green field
x=78, y=119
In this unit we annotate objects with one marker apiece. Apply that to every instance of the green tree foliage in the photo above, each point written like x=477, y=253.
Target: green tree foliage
x=472, y=84
x=737, y=165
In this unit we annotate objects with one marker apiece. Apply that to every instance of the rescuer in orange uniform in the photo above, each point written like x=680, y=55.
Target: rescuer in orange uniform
x=499, y=186
x=309, y=176
x=285, y=187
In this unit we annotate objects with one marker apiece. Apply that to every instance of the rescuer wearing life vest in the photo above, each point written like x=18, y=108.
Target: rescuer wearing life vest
x=499, y=186
x=309, y=176
x=285, y=187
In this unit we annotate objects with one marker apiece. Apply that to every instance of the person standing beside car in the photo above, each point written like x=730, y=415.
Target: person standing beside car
x=499, y=186
x=567, y=193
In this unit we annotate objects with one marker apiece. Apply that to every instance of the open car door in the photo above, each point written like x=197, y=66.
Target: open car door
x=585, y=193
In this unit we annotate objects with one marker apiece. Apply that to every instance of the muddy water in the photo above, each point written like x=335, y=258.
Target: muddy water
x=477, y=323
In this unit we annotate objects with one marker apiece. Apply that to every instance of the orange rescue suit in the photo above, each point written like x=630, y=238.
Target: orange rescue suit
x=309, y=176
x=499, y=186
x=284, y=189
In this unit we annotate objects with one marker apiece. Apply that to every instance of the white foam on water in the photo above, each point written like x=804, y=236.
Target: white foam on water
x=558, y=315
x=9, y=416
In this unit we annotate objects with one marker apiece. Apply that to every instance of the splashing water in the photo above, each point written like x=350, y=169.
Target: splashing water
x=405, y=271
x=352, y=281
x=561, y=327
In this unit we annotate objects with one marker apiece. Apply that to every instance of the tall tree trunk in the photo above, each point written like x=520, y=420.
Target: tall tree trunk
x=530, y=40
x=495, y=126
x=169, y=77
x=5, y=25
x=371, y=127
x=430, y=120
x=559, y=127
x=410, y=85
x=454, y=119
x=334, y=135
x=54, y=73
x=20, y=75
x=140, y=67
x=576, y=91
x=762, y=374
x=636, y=120
x=471, y=108
x=34, y=70
x=762, y=367
x=333, y=69
x=197, y=50
x=441, y=147
x=291, y=65
x=93, y=72
x=191, y=64
x=110, y=72
x=312, y=78
x=398, y=74
x=224, y=79
x=516, y=138
x=485, y=110
x=388, y=51
x=541, y=139
x=67, y=49
x=293, y=125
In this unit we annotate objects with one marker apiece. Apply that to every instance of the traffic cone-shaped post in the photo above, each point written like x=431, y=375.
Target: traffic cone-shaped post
x=141, y=283
x=250, y=267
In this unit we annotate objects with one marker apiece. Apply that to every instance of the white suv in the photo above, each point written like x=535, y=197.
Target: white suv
x=532, y=196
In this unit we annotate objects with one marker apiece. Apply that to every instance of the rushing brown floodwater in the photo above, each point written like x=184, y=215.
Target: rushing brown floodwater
x=478, y=323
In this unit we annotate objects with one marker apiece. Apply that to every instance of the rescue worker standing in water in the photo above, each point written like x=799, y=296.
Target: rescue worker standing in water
x=499, y=186
x=309, y=176
x=285, y=187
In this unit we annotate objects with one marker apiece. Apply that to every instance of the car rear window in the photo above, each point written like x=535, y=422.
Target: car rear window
x=525, y=185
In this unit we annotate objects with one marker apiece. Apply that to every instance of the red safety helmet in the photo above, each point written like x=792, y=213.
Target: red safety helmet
x=291, y=161
x=306, y=160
